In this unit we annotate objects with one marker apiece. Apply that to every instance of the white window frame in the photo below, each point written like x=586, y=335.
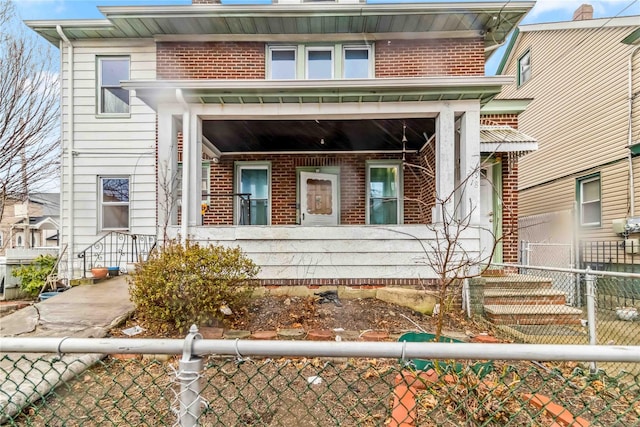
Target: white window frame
x=370, y=164
x=206, y=183
x=99, y=85
x=1, y=239
x=248, y=165
x=581, y=183
x=271, y=49
x=102, y=203
x=521, y=79
x=309, y=49
x=368, y=48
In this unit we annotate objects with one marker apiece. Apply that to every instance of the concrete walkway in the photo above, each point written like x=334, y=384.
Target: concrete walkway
x=87, y=311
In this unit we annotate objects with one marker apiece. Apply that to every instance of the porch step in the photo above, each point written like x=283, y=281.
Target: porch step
x=521, y=296
x=518, y=281
x=533, y=314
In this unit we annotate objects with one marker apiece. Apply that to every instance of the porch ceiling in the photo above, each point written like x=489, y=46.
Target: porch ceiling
x=316, y=135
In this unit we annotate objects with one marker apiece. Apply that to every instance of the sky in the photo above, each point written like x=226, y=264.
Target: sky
x=543, y=11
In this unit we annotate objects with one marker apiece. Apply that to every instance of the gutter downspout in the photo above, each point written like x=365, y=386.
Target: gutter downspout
x=632, y=195
x=186, y=168
x=70, y=145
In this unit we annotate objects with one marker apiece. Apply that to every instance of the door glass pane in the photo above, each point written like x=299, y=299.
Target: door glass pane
x=356, y=63
x=283, y=64
x=320, y=64
x=255, y=182
x=383, y=211
x=319, y=197
x=383, y=195
x=382, y=182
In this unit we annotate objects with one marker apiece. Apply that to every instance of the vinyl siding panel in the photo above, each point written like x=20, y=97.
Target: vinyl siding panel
x=108, y=145
x=579, y=111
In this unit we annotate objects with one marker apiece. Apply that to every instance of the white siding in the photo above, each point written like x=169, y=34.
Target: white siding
x=347, y=252
x=108, y=146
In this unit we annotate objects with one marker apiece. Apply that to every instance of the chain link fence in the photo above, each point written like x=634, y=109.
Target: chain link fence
x=552, y=306
x=285, y=383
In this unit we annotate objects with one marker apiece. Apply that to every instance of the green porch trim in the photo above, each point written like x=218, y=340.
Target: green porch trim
x=507, y=52
x=497, y=209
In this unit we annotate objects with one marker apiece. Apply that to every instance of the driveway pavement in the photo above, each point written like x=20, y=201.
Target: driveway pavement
x=87, y=311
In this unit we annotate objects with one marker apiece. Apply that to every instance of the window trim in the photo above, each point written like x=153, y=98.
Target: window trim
x=239, y=166
x=400, y=183
x=101, y=203
x=99, y=85
x=272, y=48
x=178, y=187
x=579, y=197
x=368, y=48
x=520, y=82
x=319, y=48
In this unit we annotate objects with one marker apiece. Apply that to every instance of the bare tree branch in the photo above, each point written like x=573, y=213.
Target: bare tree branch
x=29, y=109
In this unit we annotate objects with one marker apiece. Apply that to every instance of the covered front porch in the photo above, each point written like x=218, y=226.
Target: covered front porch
x=348, y=183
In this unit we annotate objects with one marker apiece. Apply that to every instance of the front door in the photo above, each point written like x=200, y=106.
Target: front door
x=318, y=198
x=486, y=212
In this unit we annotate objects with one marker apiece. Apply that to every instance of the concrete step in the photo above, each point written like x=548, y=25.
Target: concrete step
x=533, y=314
x=522, y=296
x=518, y=281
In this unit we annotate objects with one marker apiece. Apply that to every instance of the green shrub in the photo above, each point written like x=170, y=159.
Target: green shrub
x=33, y=276
x=182, y=285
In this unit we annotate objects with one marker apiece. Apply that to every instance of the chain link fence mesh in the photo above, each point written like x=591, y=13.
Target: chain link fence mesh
x=331, y=392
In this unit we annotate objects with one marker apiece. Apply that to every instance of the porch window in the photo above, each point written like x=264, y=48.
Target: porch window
x=112, y=98
x=114, y=203
x=383, y=193
x=253, y=179
x=589, y=201
x=282, y=63
x=319, y=63
x=356, y=64
x=524, y=68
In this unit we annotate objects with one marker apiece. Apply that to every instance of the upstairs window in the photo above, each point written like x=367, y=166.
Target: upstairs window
x=319, y=62
x=589, y=203
x=282, y=63
x=524, y=68
x=114, y=203
x=356, y=63
x=112, y=98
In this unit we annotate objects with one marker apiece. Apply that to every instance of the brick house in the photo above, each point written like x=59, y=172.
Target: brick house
x=319, y=137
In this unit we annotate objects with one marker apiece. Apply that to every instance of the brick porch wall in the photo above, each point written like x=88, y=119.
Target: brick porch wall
x=283, y=186
x=510, y=207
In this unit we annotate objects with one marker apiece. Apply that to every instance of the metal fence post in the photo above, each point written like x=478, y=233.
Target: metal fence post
x=590, y=280
x=189, y=377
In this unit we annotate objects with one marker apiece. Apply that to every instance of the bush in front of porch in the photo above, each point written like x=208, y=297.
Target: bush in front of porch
x=185, y=284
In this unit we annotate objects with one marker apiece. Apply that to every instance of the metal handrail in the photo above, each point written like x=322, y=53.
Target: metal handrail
x=115, y=249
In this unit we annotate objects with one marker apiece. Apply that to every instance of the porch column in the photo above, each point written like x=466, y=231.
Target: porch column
x=186, y=206
x=195, y=173
x=445, y=164
x=470, y=165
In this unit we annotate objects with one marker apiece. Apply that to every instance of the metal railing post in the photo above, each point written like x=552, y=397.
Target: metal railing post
x=189, y=377
x=590, y=280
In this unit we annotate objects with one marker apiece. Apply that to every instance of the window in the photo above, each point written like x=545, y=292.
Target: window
x=253, y=185
x=112, y=98
x=589, y=203
x=383, y=193
x=1, y=240
x=356, y=64
x=206, y=179
x=282, y=63
x=319, y=63
x=524, y=68
x=114, y=203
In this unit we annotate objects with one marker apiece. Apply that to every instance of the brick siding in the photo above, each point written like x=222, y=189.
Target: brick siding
x=510, y=208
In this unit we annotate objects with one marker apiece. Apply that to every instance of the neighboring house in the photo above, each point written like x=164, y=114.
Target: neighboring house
x=314, y=135
x=583, y=184
x=32, y=223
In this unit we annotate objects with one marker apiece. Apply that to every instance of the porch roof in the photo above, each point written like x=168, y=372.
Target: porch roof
x=503, y=138
x=412, y=89
x=492, y=21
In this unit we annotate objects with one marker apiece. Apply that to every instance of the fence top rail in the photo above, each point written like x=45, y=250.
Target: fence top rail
x=395, y=350
x=572, y=270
